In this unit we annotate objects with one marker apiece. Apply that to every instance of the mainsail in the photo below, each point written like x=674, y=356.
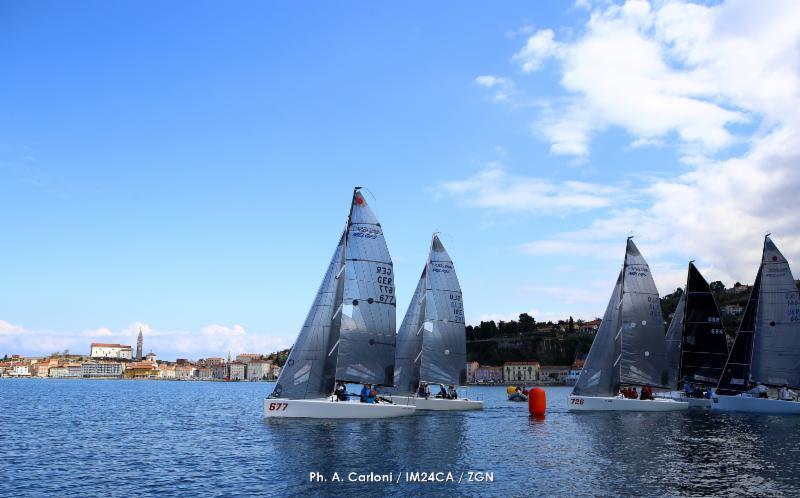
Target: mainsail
x=673, y=341
x=704, y=347
x=776, y=346
x=600, y=374
x=349, y=333
x=367, y=340
x=767, y=345
x=643, y=358
x=431, y=340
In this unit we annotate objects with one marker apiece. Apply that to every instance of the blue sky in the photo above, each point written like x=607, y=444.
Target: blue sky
x=187, y=167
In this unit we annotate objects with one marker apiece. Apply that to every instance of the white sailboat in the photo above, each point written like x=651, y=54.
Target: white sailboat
x=629, y=348
x=696, y=344
x=349, y=333
x=431, y=343
x=767, y=346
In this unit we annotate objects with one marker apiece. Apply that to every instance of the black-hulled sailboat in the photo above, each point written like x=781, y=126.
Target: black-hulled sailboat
x=766, y=350
x=629, y=348
x=349, y=332
x=431, y=342
x=696, y=346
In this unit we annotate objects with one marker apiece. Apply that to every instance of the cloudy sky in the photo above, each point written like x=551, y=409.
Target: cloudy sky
x=186, y=168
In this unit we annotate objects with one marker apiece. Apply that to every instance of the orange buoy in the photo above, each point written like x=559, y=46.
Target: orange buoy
x=537, y=402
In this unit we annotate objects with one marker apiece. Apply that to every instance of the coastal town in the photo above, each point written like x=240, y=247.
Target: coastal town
x=117, y=361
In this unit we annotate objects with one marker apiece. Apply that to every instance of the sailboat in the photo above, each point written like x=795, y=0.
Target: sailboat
x=349, y=332
x=629, y=348
x=431, y=342
x=696, y=344
x=767, y=345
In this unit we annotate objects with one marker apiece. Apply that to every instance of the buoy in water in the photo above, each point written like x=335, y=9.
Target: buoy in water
x=511, y=390
x=537, y=402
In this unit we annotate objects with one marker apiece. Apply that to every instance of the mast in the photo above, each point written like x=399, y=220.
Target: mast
x=620, y=322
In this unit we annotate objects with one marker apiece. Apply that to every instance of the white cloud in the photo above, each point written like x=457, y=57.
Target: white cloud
x=503, y=87
x=211, y=340
x=673, y=69
x=676, y=76
x=492, y=187
x=539, y=47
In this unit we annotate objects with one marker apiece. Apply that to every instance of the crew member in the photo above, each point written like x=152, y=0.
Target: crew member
x=786, y=394
x=341, y=392
x=452, y=393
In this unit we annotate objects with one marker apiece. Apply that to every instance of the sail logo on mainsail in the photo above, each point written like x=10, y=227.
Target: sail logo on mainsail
x=370, y=232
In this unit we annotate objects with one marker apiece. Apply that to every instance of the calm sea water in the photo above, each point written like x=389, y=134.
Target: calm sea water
x=147, y=438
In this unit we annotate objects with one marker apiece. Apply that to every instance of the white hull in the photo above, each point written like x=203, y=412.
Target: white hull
x=330, y=408
x=699, y=403
x=438, y=404
x=620, y=404
x=754, y=405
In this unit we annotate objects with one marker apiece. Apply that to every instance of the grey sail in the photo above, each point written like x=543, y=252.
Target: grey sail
x=673, y=342
x=600, y=374
x=776, y=345
x=444, y=349
x=366, y=347
x=308, y=372
x=409, y=341
x=643, y=357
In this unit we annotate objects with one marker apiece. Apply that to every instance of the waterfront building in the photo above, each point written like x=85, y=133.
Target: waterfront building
x=488, y=374
x=259, y=370
x=139, y=344
x=167, y=371
x=184, y=371
x=520, y=371
x=40, y=369
x=219, y=372
x=203, y=373
x=101, y=369
x=554, y=374
x=237, y=370
x=214, y=361
x=103, y=350
x=151, y=356
x=142, y=370
x=20, y=369
x=472, y=367
x=276, y=371
x=58, y=372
